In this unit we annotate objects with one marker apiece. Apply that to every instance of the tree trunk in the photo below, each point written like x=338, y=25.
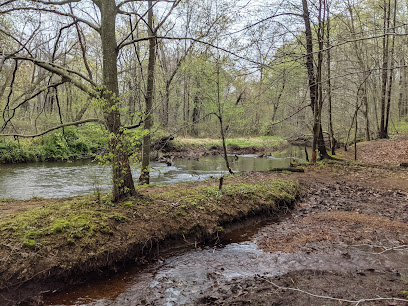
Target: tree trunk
x=310, y=74
x=196, y=115
x=148, y=118
x=383, y=133
x=391, y=76
x=318, y=141
x=329, y=86
x=123, y=184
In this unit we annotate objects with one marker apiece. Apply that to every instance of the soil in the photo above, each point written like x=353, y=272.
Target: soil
x=344, y=206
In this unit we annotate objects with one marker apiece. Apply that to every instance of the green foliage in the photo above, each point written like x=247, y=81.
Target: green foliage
x=263, y=141
x=72, y=143
x=401, y=127
x=29, y=243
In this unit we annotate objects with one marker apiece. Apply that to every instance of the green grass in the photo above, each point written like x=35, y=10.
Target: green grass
x=401, y=127
x=78, y=220
x=83, y=233
x=71, y=219
x=263, y=141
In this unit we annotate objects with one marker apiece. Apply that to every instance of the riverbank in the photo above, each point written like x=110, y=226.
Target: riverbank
x=346, y=242
x=198, y=147
x=47, y=244
x=90, y=140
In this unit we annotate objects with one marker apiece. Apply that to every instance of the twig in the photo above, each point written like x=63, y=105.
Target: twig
x=400, y=247
x=53, y=129
x=357, y=302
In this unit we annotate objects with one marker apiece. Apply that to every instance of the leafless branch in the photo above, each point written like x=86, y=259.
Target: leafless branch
x=129, y=1
x=55, y=2
x=61, y=71
x=48, y=10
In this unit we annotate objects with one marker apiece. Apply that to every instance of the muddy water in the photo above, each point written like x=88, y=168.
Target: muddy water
x=186, y=275
x=65, y=179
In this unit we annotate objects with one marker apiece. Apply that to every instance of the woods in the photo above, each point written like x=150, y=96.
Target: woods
x=331, y=71
x=157, y=152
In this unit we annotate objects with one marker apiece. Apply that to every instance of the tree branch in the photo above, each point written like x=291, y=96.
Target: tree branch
x=75, y=18
x=54, y=128
x=63, y=72
x=357, y=302
x=55, y=2
x=129, y=1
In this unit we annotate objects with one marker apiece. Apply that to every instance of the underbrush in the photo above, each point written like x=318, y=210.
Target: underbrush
x=401, y=127
x=68, y=144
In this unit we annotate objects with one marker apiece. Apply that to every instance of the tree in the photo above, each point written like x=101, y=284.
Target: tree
x=315, y=86
x=107, y=91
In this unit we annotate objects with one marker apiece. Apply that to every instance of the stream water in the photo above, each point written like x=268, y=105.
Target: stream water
x=185, y=275
x=65, y=179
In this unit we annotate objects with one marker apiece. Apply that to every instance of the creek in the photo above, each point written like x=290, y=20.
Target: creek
x=183, y=275
x=67, y=179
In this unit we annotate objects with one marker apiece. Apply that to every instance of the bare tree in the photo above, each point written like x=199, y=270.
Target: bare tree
x=104, y=22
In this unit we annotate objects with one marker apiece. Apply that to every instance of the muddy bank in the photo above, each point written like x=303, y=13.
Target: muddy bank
x=338, y=242
x=353, y=217
x=47, y=244
x=311, y=287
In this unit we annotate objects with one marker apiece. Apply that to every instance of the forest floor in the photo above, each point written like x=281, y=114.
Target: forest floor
x=355, y=214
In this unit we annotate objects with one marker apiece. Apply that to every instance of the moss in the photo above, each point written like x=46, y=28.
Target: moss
x=82, y=229
x=119, y=217
x=29, y=243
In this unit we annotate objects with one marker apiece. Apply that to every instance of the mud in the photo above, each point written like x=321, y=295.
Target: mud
x=354, y=219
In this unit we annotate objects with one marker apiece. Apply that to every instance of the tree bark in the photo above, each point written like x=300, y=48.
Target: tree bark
x=148, y=117
x=329, y=85
x=123, y=184
x=391, y=74
x=318, y=141
x=383, y=133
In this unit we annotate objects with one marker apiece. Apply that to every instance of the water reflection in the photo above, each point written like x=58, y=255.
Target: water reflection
x=65, y=179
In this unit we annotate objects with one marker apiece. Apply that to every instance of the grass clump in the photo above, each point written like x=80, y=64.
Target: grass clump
x=77, y=218
x=401, y=127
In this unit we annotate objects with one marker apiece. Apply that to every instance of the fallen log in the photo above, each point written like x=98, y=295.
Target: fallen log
x=290, y=169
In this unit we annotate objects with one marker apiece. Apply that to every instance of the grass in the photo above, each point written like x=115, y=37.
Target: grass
x=79, y=232
x=242, y=142
x=401, y=127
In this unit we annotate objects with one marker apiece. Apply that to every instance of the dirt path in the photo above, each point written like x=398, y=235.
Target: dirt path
x=352, y=210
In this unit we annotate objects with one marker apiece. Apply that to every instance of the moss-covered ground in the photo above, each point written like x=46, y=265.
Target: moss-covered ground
x=43, y=238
